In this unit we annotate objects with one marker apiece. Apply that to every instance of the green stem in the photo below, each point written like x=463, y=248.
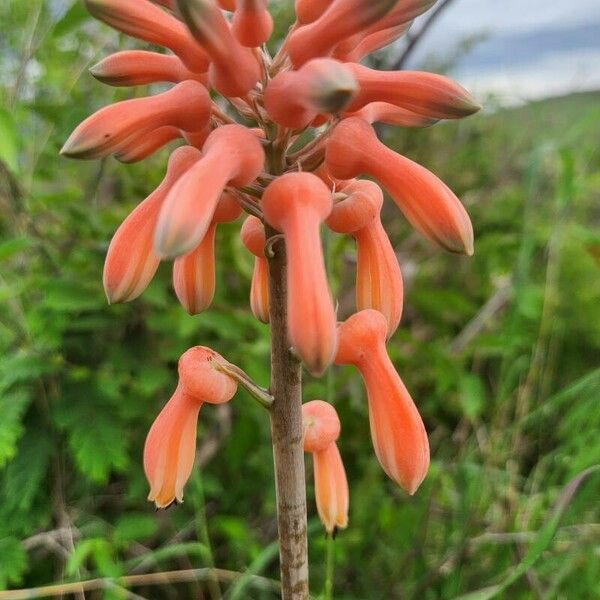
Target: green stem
x=329, y=568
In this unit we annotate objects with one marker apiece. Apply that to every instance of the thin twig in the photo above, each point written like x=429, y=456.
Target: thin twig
x=162, y=578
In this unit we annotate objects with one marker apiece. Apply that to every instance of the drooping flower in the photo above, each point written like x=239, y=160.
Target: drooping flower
x=397, y=430
x=296, y=204
x=321, y=430
x=171, y=442
x=253, y=237
x=378, y=277
x=427, y=203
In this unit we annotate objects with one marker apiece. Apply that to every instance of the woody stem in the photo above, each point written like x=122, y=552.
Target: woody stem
x=286, y=427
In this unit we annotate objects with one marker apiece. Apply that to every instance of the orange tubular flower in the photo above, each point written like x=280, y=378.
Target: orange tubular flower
x=186, y=106
x=131, y=261
x=382, y=112
x=427, y=203
x=139, y=67
x=321, y=430
x=296, y=204
x=323, y=85
x=397, y=430
x=171, y=442
x=252, y=23
x=342, y=19
x=378, y=277
x=194, y=273
x=426, y=94
x=253, y=237
x=232, y=156
x=233, y=70
x=144, y=20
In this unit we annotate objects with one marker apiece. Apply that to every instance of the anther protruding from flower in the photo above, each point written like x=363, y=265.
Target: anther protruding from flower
x=234, y=69
x=253, y=237
x=232, y=155
x=194, y=273
x=323, y=85
x=252, y=23
x=397, y=430
x=308, y=11
x=342, y=19
x=427, y=203
x=378, y=277
x=383, y=112
x=171, y=442
x=145, y=21
x=186, y=106
x=296, y=204
x=131, y=261
x=321, y=430
x=140, y=67
x=426, y=94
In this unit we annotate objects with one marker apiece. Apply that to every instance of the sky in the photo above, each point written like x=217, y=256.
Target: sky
x=533, y=48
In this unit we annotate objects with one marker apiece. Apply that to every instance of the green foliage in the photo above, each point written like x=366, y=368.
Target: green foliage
x=499, y=351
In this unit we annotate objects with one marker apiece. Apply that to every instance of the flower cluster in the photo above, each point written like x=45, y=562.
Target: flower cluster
x=314, y=88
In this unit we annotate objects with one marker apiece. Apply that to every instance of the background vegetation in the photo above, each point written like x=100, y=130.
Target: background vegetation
x=500, y=351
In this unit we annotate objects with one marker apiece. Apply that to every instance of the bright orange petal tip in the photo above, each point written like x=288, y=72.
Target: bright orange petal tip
x=141, y=146
x=340, y=20
x=427, y=94
x=323, y=85
x=234, y=70
x=170, y=448
x=145, y=21
x=296, y=204
x=397, y=430
x=131, y=261
x=186, y=106
x=321, y=429
x=139, y=67
x=427, y=203
x=232, y=155
x=194, y=273
x=252, y=23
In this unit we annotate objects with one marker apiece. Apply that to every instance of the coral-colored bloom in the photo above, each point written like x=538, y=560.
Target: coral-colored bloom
x=296, y=204
x=234, y=69
x=139, y=67
x=426, y=94
x=378, y=277
x=321, y=430
x=427, y=203
x=232, y=156
x=357, y=47
x=397, y=430
x=131, y=261
x=194, y=273
x=171, y=442
x=252, y=235
x=143, y=20
x=252, y=23
x=141, y=146
x=323, y=85
x=186, y=106
x=342, y=19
